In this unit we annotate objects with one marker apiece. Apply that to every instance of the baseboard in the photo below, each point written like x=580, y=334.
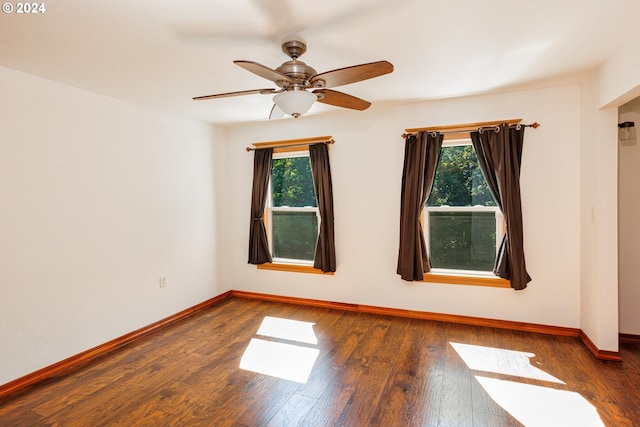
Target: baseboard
x=78, y=360
x=629, y=338
x=424, y=315
x=609, y=356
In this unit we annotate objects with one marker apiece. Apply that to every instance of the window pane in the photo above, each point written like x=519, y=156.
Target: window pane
x=462, y=240
x=294, y=235
x=459, y=180
x=292, y=182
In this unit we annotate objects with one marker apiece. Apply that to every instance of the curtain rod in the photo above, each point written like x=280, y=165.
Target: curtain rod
x=292, y=143
x=495, y=127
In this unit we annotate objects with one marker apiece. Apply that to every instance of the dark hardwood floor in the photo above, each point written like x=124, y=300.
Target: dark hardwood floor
x=368, y=370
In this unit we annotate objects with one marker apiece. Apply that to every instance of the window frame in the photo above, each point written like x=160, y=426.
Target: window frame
x=288, y=149
x=460, y=276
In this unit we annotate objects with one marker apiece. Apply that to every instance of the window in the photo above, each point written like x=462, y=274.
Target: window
x=292, y=213
x=461, y=220
x=290, y=230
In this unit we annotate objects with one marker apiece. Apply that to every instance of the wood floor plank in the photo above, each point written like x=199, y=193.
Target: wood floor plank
x=371, y=370
x=370, y=379
x=256, y=409
x=436, y=337
x=481, y=419
x=336, y=344
x=456, y=405
x=329, y=407
x=403, y=398
x=292, y=412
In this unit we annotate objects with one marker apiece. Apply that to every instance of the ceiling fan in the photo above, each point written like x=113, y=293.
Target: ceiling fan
x=294, y=77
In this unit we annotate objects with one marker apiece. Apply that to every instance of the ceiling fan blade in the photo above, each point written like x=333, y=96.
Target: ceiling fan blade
x=340, y=99
x=264, y=71
x=355, y=73
x=238, y=93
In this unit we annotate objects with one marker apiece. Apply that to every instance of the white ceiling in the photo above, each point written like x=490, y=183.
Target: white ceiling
x=161, y=53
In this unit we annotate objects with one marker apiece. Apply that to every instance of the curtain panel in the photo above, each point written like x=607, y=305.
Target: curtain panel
x=421, y=155
x=258, y=244
x=500, y=157
x=325, y=255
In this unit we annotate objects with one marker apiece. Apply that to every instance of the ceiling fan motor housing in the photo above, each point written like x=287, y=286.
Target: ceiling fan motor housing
x=297, y=70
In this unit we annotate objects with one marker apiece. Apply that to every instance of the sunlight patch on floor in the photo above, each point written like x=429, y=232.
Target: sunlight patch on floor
x=292, y=360
x=535, y=406
x=286, y=361
x=532, y=405
x=500, y=361
x=288, y=329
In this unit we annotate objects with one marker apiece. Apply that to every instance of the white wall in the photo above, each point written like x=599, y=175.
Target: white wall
x=629, y=226
x=98, y=198
x=611, y=85
x=366, y=163
x=599, y=247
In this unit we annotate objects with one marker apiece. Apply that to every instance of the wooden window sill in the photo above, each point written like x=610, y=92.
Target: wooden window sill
x=296, y=268
x=495, y=282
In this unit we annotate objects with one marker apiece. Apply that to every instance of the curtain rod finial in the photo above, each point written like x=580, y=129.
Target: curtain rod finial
x=249, y=149
x=535, y=125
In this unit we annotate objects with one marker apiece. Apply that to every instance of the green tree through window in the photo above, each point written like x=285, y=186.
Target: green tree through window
x=293, y=209
x=292, y=182
x=459, y=180
x=461, y=213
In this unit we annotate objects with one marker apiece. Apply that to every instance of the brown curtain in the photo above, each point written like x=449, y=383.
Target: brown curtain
x=325, y=256
x=258, y=244
x=421, y=155
x=500, y=156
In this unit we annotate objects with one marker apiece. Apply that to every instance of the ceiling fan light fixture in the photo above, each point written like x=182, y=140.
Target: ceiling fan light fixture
x=295, y=102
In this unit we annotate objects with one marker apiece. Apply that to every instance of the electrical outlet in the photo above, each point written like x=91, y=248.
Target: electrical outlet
x=163, y=281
